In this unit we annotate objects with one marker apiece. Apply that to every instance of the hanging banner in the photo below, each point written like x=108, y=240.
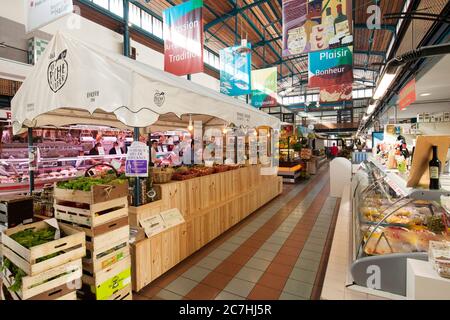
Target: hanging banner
x=39, y=13
x=235, y=71
x=316, y=25
x=332, y=72
x=264, y=87
x=407, y=95
x=183, y=38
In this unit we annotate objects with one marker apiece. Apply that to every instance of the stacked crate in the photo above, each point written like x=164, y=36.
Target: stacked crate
x=56, y=278
x=102, y=214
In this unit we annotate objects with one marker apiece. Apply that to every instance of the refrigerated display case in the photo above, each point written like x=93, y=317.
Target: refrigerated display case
x=390, y=224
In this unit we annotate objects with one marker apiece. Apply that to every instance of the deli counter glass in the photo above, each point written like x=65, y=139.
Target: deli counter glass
x=390, y=225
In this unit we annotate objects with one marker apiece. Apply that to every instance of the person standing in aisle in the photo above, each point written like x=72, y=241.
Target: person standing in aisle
x=334, y=151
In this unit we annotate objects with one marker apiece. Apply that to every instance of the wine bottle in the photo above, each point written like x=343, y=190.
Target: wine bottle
x=434, y=167
x=341, y=22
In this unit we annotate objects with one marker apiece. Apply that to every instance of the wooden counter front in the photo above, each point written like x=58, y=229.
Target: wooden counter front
x=210, y=205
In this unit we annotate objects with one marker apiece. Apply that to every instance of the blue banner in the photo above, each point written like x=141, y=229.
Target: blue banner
x=235, y=70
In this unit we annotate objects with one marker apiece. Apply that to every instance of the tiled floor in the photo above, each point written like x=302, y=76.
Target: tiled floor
x=276, y=253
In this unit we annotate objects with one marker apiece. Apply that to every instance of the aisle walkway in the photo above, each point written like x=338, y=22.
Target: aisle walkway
x=279, y=252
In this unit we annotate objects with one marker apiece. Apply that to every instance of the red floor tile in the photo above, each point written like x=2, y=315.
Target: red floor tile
x=260, y=292
x=203, y=292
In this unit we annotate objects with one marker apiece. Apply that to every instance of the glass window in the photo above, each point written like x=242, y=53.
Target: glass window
x=116, y=7
x=147, y=22
x=205, y=55
x=157, y=28
x=302, y=99
x=296, y=99
x=216, y=62
x=135, y=15
x=102, y=3
x=368, y=93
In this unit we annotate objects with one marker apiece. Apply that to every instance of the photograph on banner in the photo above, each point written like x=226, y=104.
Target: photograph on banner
x=41, y=13
x=315, y=25
x=264, y=87
x=235, y=71
x=332, y=71
x=183, y=38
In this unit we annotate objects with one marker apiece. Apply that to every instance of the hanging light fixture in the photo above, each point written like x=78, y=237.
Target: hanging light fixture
x=190, y=126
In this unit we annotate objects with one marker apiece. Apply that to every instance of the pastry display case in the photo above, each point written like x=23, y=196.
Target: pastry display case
x=391, y=224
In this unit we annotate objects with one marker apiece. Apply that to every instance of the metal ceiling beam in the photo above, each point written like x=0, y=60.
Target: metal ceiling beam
x=373, y=53
x=387, y=27
x=233, y=13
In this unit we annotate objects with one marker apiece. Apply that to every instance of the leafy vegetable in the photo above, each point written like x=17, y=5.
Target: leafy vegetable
x=85, y=183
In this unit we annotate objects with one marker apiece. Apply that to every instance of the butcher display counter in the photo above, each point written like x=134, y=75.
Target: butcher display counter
x=390, y=224
x=14, y=172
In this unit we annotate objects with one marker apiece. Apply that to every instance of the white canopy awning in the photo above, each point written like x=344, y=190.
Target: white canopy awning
x=73, y=78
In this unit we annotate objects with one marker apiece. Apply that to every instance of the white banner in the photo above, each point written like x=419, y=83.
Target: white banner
x=39, y=13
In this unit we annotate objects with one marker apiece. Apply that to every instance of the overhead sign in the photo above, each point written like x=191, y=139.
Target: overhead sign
x=264, y=87
x=136, y=164
x=407, y=95
x=332, y=72
x=235, y=71
x=39, y=13
x=183, y=38
x=316, y=25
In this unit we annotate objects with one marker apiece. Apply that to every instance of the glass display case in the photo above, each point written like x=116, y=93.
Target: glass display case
x=391, y=224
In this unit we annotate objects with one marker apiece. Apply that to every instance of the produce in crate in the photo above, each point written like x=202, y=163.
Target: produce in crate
x=29, y=238
x=85, y=183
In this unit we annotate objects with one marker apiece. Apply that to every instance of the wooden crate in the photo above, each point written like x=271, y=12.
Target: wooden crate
x=98, y=193
x=70, y=296
x=15, y=210
x=48, y=285
x=108, y=282
x=135, y=214
x=103, y=258
x=124, y=294
x=91, y=215
x=71, y=247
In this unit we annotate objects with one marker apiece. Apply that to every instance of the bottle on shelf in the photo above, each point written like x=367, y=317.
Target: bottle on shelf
x=341, y=22
x=435, y=168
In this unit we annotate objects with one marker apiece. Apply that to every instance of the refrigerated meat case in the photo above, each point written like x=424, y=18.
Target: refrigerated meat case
x=64, y=164
x=391, y=223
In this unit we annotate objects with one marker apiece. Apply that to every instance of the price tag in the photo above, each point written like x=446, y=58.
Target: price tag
x=395, y=187
x=116, y=164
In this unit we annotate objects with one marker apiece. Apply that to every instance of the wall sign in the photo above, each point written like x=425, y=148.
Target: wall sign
x=136, y=164
x=183, y=38
x=39, y=13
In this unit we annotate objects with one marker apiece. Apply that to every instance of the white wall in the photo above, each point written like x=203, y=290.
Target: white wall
x=99, y=35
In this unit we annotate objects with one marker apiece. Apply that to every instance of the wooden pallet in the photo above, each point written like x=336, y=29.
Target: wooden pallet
x=70, y=247
x=107, y=282
x=49, y=285
x=90, y=215
x=97, y=194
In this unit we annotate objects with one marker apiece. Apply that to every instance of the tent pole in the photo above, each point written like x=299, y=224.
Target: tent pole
x=137, y=184
x=30, y=147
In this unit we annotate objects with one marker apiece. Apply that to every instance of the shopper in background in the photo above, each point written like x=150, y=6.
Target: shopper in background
x=94, y=150
x=116, y=149
x=334, y=150
x=175, y=156
x=153, y=152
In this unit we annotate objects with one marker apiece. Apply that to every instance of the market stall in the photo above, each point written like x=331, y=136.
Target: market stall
x=77, y=83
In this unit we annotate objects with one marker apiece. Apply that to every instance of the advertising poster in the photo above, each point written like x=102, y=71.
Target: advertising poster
x=332, y=71
x=235, y=71
x=183, y=38
x=136, y=164
x=42, y=12
x=264, y=87
x=316, y=25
